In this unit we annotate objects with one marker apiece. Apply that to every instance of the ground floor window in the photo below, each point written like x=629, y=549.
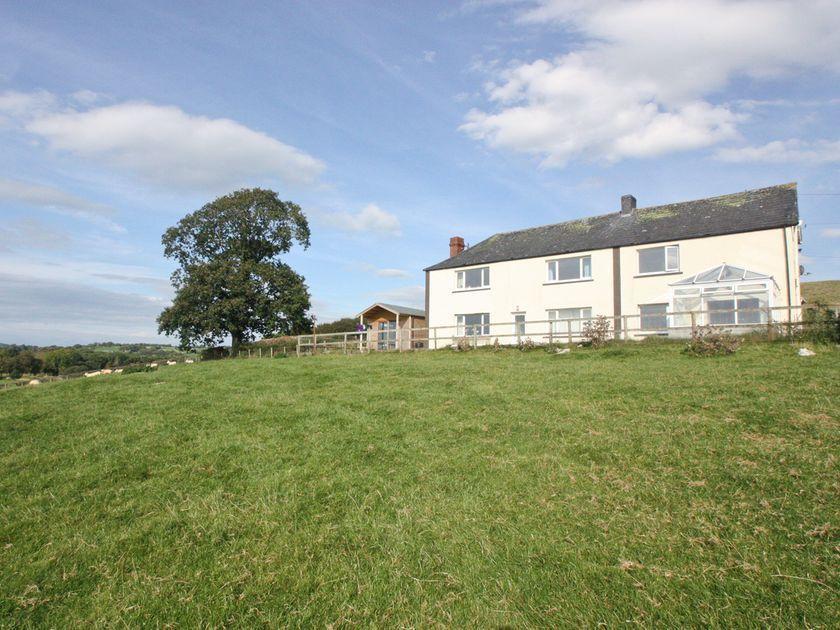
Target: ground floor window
x=559, y=316
x=654, y=316
x=473, y=324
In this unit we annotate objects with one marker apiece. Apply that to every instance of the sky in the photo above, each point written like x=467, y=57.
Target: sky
x=394, y=125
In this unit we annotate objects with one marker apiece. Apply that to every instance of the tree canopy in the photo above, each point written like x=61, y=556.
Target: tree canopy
x=230, y=279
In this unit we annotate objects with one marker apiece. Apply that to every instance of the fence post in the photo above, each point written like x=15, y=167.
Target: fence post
x=770, y=330
x=344, y=348
x=260, y=352
x=297, y=347
x=434, y=335
x=568, y=330
x=271, y=351
x=693, y=323
x=399, y=338
x=624, y=327
x=550, y=335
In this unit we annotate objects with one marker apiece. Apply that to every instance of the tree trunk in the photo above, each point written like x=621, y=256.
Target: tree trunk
x=235, y=342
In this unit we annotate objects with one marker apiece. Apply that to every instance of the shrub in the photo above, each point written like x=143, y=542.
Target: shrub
x=821, y=324
x=706, y=341
x=527, y=344
x=462, y=344
x=596, y=332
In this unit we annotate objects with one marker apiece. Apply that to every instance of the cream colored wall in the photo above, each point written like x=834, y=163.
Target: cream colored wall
x=762, y=251
x=520, y=285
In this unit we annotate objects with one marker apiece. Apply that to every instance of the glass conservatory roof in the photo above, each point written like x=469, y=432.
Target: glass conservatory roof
x=722, y=273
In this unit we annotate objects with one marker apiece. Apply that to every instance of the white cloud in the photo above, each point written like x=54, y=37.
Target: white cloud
x=783, y=151
x=162, y=145
x=30, y=233
x=414, y=295
x=383, y=272
x=640, y=82
x=42, y=311
x=830, y=232
x=370, y=219
x=49, y=198
x=86, y=97
x=18, y=106
x=429, y=56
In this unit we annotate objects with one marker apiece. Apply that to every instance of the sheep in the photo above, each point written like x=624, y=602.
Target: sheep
x=118, y=371
x=171, y=362
x=153, y=365
x=189, y=361
x=34, y=382
x=106, y=371
x=89, y=374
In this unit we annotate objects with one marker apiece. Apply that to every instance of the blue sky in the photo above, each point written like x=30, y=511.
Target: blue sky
x=394, y=125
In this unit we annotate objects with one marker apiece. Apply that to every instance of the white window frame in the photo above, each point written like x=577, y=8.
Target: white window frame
x=461, y=278
x=576, y=326
x=483, y=327
x=555, y=263
x=665, y=249
x=519, y=326
x=665, y=315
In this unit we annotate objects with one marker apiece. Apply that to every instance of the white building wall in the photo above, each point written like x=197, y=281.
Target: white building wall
x=521, y=286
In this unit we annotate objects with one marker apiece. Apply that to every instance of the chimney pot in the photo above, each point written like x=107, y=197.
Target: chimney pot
x=456, y=246
x=628, y=205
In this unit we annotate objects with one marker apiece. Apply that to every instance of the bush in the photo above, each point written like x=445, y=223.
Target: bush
x=821, y=324
x=706, y=341
x=527, y=344
x=596, y=332
x=462, y=345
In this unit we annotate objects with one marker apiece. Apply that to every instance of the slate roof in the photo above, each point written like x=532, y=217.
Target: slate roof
x=394, y=308
x=760, y=209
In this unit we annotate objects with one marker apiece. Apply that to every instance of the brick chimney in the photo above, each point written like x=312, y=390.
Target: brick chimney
x=628, y=205
x=456, y=246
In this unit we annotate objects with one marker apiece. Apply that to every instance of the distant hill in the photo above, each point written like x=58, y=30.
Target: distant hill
x=825, y=291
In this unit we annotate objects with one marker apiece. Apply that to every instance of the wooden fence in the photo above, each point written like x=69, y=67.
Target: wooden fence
x=772, y=321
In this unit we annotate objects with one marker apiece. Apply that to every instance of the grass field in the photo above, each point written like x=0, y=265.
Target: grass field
x=477, y=489
x=825, y=291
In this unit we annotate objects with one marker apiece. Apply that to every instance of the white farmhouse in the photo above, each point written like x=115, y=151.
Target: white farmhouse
x=727, y=258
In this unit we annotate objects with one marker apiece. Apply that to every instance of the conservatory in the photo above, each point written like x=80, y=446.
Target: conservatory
x=723, y=296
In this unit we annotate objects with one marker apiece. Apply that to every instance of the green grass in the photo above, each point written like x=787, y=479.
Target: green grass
x=480, y=489
x=824, y=291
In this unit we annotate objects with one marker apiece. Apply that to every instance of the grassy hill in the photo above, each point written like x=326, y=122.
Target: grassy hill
x=824, y=291
x=483, y=488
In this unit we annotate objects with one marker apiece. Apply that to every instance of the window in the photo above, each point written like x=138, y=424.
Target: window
x=519, y=324
x=654, y=316
x=566, y=269
x=473, y=278
x=659, y=259
x=721, y=311
x=558, y=317
x=473, y=324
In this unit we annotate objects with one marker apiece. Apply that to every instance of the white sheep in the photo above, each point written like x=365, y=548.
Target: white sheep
x=153, y=365
x=189, y=361
x=106, y=371
x=89, y=374
x=118, y=371
x=171, y=362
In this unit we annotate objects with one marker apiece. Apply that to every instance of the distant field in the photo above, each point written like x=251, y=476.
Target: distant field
x=825, y=291
x=631, y=484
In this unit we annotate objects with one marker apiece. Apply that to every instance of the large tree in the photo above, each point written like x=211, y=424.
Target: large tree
x=230, y=279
